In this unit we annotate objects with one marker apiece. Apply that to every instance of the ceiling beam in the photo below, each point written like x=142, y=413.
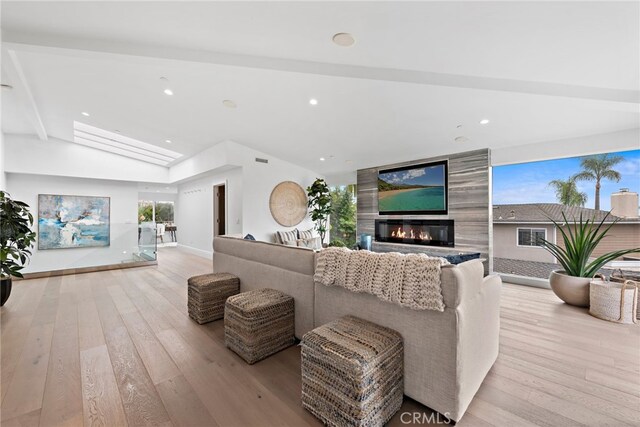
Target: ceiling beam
x=16, y=75
x=83, y=47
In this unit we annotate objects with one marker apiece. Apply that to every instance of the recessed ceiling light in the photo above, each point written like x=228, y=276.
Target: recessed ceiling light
x=168, y=141
x=322, y=159
x=229, y=103
x=461, y=139
x=84, y=113
x=166, y=188
x=484, y=121
x=313, y=101
x=168, y=92
x=343, y=39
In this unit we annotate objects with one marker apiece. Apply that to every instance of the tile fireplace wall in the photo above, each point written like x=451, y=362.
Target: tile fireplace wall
x=469, y=201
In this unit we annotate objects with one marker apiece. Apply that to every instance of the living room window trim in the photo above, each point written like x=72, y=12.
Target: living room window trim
x=531, y=230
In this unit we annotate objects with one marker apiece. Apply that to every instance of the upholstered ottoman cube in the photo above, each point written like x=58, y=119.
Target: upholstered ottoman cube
x=352, y=372
x=259, y=323
x=207, y=294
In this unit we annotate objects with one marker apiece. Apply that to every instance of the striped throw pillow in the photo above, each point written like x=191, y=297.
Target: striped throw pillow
x=286, y=236
x=305, y=234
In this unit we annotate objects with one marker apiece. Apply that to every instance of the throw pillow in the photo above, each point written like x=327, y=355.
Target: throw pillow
x=249, y=237
x=312, y=243
x=305, y=234
x=286, y=236
x=290, y=243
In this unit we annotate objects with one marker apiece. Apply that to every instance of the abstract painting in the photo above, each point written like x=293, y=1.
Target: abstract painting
x=73, y=221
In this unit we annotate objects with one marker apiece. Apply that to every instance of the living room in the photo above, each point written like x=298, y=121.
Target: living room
x=426, y=161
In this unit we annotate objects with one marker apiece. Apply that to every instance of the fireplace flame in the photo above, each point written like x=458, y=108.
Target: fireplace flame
x=402, y=234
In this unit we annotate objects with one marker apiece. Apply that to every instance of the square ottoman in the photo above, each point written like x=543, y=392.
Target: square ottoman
x=208, y=293
x=259, y=323
x=352, y=372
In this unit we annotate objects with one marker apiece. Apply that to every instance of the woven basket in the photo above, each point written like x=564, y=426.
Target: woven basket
x=207, y=294
x=613, y=301
x=620, y=277
x=352, y=373
x=259, y=323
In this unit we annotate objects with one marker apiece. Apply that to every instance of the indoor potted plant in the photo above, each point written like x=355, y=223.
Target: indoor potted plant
x=319, y=203
x=16, y=240
x=571, y=284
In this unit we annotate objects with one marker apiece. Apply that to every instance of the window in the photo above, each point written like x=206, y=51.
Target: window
x=342, y=230
x=160, y=212
x=531, y=236
x=164, y=212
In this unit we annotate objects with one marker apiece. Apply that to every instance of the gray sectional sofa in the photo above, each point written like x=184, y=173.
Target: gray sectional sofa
x=447, y=354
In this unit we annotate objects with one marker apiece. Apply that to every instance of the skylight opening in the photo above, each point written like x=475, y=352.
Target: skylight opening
x=116, y=143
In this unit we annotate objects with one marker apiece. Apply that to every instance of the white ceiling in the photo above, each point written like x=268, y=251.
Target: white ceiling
x=539, y=71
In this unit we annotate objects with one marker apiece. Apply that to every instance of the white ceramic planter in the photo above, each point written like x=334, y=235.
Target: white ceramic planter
x=570, y=289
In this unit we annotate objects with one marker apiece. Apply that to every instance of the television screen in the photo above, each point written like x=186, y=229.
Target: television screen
x=417, y=189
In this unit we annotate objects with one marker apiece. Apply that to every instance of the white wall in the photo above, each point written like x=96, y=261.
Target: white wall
x=259, y=180
x=56, y=157
x=194, y=210
x=124, y=229
x=3, y=178
x=248, y=189
x=158, y=197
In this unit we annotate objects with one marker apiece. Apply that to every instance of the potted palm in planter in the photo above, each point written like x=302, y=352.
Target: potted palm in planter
x=571, y=284
x=16, y=240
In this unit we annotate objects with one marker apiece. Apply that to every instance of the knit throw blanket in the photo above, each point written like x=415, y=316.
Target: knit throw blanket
x=409, y=280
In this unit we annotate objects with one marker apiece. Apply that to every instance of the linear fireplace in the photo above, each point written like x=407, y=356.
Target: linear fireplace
x=416, y=231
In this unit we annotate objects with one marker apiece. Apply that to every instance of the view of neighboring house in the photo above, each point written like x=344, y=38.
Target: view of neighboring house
x=518, y=228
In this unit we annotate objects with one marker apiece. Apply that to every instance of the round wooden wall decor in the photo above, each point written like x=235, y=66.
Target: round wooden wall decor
x=288, y=204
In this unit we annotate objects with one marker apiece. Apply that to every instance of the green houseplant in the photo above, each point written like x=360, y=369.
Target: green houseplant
x=580, y=239
x=16, y=240
x=319, y=203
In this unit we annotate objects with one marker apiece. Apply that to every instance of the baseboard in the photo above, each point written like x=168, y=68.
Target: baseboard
x=527, y=281
x=196, y=251
x=81, y=270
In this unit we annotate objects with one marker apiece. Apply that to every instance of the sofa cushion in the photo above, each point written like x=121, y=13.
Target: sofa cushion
x=311, y=243
x=286, y=236
x=305, y=234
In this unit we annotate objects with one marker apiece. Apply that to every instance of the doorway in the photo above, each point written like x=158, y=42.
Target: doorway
x=219, y=210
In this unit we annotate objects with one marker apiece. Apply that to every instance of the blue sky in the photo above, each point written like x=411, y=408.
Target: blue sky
x=528, y=182
x=422, y=176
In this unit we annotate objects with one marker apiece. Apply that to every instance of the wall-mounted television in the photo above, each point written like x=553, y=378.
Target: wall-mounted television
x=416, y=189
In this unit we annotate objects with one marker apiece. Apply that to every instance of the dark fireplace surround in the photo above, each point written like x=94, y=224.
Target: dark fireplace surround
x=426, y=232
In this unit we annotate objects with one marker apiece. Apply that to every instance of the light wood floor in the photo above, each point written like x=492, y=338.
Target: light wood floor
x=116, y=348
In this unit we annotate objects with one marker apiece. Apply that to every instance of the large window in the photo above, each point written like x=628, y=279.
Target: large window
x=531, y=200
x=164, y=212
x=160, y=212
x=531, y=236
x=342, y=222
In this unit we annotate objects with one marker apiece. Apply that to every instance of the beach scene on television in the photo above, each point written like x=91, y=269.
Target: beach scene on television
x=420, y=189
x=72, y=221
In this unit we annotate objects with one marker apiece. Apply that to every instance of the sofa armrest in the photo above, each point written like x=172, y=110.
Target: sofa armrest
x=461, y=282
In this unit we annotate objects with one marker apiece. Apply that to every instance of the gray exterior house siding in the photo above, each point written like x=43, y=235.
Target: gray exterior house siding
x=505, y=242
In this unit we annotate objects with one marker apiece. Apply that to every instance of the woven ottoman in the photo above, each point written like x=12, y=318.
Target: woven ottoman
x=259, y=323
x=207, y=294
x=352, y=373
